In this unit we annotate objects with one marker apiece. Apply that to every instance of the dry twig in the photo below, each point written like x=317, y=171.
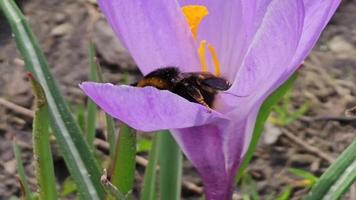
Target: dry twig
x=16, y=108
x=307, y=146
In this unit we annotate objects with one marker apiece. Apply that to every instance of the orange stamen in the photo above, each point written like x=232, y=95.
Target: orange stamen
x=202, y=56
x=194, y=14
x=215, y=59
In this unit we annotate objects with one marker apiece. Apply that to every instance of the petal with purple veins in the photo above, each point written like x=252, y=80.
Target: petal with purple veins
x=149, y=109
x=203, y=145
x=154, y=32
x=230, y=27
x=272, y=48
x=271, y=52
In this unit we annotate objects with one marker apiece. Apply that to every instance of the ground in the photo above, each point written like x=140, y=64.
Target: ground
x=325, y=88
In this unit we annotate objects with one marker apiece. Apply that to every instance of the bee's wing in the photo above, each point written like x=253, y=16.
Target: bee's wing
x=210, y=80
x=216, y=83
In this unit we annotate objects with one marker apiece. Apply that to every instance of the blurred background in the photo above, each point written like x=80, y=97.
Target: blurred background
x=307, y=130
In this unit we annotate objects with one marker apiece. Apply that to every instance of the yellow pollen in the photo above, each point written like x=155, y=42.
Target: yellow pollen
x=202, y=57
x=215, y=60
x=194, y=15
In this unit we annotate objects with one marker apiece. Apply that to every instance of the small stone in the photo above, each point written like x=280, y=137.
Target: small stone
x=271, y=134
x=339, y=44
x=61, y=30
x=10, y=166
x=60, y=17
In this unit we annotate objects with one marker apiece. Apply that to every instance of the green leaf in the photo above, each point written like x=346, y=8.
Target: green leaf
x=337, y=179
x=21, y=172
x=68, y=187
x=79, y=111
x=41, y=146
x=286, y=193
x=123, y=170
x=110, y=122
x=79, y=159
x=170, y=160
x=110, y=128
x=91, y=107
x=304, y=175
x=149, y=191
x=263, y=114
x=249, y=188
x=143, y=145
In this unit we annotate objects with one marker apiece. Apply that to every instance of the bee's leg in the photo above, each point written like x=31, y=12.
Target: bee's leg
x=201, y=101
x=198, y=97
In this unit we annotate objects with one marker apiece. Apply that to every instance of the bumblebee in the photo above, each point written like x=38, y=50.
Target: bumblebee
x=197, y=87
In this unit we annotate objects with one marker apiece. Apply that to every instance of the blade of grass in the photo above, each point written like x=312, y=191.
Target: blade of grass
x=286, y=193
x=263, y=114
x=21, y=172
x=149, y=181
x=41, y=146
x=337, y=178
x=110, y=123
x=110, y=128
x=123, y=170
x=91, y=107
x=309, y=178
x=249, y=187
x=75, y=151
x=170, y=160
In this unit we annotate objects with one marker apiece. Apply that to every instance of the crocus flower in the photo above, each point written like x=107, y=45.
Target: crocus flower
x=255, y=44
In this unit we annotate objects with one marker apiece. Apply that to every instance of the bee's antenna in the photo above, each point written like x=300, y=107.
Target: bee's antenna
x=235, y=95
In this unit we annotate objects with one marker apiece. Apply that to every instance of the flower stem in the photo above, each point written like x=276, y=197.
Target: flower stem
x=123, y=170
x=170, y=159
x=149, y=184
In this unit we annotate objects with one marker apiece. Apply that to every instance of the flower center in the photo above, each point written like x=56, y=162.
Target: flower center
x=194, y=14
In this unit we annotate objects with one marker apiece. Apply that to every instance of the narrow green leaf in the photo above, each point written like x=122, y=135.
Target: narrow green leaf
x=149, y=191
x=170, y=160
x=285, y=193
x=123, y=171
x=80, y=116
x=263, y=114
x=75, y=151
x=305, y=175
x=143, y=145
x=110, y=128
x=68, y=187
x=338, y=177
x=249, y=187
x=91, y=109
x=41, y=146
x=21, y=171
x=342, y=185
x=110, y=122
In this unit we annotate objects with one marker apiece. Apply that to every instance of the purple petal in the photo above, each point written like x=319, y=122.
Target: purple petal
x=155, y=33
x=149, y=109
x=317, y=15
x=268, y=57
x=204, y=147
x=272, y=48
x=230, y=28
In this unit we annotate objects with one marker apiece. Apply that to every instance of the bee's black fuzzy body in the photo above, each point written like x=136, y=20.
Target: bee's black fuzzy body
x=197, y=87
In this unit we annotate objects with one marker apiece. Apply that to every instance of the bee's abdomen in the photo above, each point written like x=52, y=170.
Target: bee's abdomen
x=154, y=82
